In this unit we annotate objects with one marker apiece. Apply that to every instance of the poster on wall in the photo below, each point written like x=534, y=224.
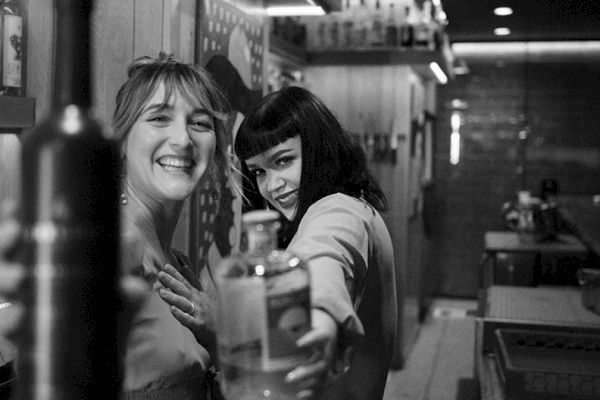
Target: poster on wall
x=230, y=47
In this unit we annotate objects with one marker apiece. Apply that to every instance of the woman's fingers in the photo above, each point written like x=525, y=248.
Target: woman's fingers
x=306, y=374
x=185, y=318
x=173, y=280
x=178, y=301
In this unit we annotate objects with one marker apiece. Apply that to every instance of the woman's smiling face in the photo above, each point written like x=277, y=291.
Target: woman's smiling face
x=277, y=172
x=169, y=148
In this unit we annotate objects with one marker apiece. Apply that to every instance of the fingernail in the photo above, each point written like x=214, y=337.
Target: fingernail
x=162, y=292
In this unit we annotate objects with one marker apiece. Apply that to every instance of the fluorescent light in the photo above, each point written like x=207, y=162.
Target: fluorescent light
x=455, y=138
x=455, y=122
x=503, y=11
x=501, y=31
x=437, y=71
x=454, y=148
x=280, y=11
x=569, y=49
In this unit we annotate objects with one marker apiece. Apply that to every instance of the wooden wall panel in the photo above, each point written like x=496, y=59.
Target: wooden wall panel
x=40, y=50
x=183, y=29
x=112, y=51
x=10, y=163
x=148, y=26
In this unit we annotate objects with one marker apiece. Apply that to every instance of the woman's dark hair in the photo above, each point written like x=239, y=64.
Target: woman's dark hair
x=331, y=162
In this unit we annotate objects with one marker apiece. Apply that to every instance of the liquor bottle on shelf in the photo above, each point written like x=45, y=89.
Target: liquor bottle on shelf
x=264, y=307
x=377, y=31
x=11, y=48
x=423, y=27
x=321, y=35
x=406, y=33
x=347, y=25
x=334, y=31
x=391, y=27
x=70, y=217
x=361, y=19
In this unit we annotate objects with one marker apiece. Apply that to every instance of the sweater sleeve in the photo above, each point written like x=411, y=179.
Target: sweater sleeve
x=333, y=238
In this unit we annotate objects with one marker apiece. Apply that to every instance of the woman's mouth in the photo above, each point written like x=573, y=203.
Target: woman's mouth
x=171, y=163
x=287, y=199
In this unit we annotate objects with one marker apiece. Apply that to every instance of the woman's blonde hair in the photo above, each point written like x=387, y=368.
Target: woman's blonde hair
x=146, y=74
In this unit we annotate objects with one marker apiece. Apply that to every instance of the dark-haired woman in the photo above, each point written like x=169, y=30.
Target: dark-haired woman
x=297, y=159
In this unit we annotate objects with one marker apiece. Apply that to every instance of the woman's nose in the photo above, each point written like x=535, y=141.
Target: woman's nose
x=179, y=134
x=274, y=181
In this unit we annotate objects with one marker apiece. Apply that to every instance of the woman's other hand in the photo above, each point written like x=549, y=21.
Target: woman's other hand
x=320, y=370
x=11, y=272
x=190, y=306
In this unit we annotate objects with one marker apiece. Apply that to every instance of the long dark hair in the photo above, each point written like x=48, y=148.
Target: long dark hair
x=331, y=162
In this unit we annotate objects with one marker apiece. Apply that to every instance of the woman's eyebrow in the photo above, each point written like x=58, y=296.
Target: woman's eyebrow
x=156, y=107
x=277, y=154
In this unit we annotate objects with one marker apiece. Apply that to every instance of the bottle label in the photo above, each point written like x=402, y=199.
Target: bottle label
x=288, y=318
x=11, y=50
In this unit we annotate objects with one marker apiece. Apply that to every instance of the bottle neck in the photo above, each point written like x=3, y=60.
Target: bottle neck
x=72, y=60
x=261, y=238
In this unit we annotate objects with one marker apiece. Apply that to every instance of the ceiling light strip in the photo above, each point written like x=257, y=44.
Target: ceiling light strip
x=438, y=72
x=570, y=47
x=280, y=11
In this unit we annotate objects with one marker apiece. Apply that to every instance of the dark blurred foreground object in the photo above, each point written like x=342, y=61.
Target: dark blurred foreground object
x=68, y=346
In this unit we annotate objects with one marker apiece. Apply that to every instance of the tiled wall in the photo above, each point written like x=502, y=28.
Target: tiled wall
x=559, y=104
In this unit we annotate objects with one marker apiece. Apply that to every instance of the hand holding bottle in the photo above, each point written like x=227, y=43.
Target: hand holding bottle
x=324, y=367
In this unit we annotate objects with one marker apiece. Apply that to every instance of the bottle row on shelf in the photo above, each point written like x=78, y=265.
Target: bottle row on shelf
x=378, y=23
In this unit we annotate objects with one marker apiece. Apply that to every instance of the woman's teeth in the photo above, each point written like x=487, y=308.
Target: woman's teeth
x=175, y=163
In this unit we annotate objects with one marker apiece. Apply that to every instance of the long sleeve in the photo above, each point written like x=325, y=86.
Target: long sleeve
x=333, y=238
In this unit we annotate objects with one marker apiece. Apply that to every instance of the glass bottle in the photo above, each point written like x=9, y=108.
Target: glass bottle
x=391, y=28
x=70, y=217
x=11, y=48
x=347, y=25
x=407, y=29
x=264, y=307
x=361, y=28
x=377, y=31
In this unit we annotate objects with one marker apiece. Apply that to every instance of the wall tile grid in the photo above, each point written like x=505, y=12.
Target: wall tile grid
x=559, y=105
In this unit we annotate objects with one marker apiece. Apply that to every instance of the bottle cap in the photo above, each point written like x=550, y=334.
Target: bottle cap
x=259, y=216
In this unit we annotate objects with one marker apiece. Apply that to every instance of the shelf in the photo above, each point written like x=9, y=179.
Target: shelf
x=16, y=113
x=287, y=51
x=419, y=59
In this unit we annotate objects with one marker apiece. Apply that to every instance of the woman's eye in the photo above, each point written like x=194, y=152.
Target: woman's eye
x=202, y=125
x=257, y=172
x=283, y=161
x=158, y=118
